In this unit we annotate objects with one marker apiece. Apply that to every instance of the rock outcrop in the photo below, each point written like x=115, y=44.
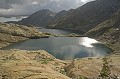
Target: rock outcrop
x=92, y=68
x=11, y=33
x=22, y=64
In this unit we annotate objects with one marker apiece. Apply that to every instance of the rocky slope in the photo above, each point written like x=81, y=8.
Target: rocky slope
x=23, y=64
x=93, y=68
x=11, y=33
x=87, y=16
x=108, y=32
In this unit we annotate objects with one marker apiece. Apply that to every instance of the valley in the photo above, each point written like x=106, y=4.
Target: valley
x=81, y=43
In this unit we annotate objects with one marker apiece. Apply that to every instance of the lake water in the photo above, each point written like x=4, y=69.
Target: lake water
x=58, y=31
x=64, y=47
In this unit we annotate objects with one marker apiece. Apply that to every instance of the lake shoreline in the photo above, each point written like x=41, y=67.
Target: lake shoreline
x=46, y=36
x=40, y=61
x=64, y=41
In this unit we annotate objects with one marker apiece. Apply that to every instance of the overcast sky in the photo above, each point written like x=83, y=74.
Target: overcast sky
x=18, y=8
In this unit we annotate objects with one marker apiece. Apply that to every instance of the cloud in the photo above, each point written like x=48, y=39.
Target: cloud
x=14, y=8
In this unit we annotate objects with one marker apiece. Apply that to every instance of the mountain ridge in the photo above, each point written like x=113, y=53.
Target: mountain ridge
x=88, y=16
x=40, y=18
x=83, y=18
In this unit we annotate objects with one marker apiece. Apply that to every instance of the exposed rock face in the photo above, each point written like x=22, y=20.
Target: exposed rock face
x=87, y=16
x=21, y=64
x=10, y=33
x=108, y=32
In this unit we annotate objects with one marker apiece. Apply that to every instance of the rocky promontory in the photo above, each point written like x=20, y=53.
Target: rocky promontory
x=11, y=33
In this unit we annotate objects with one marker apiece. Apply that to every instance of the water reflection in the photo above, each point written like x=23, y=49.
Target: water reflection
x=65, y=47
x=87, y=41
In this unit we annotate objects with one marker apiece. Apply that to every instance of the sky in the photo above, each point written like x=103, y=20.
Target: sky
x=12, y=10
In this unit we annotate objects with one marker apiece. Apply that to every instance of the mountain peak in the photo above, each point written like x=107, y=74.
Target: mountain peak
x=40, y=18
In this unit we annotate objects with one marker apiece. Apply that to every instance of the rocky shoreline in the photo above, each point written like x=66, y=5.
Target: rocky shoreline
x=24, y=64
x=11, y=33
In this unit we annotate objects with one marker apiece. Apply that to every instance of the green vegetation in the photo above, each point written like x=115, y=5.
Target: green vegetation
x=105, y=72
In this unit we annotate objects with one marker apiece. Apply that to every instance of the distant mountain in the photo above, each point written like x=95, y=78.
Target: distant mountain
x=40, y=18
x=87, y=16
x=83, y=18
